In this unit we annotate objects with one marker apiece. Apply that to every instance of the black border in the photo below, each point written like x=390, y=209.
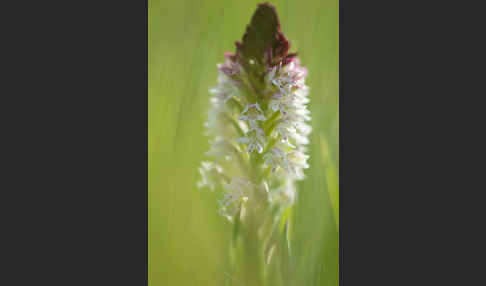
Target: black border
x=76, y=160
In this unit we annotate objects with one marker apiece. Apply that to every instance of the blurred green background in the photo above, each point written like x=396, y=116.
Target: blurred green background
x=187, y=239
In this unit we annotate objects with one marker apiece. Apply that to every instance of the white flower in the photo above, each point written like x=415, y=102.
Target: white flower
x=286, y=129
x=252, y=113
x=272, y=123
x=221, y=148
x=276, y=158
x=237, y=193
x=210, y=175
x=297, y=162
x=255, y=139
x=225, y=90
x=291, y=162
x=216, y=125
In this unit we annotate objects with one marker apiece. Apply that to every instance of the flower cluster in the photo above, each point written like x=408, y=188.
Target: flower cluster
x=257, y=122
x=272, y=126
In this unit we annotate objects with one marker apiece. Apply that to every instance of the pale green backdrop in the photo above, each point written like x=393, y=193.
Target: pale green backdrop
x=188, y=240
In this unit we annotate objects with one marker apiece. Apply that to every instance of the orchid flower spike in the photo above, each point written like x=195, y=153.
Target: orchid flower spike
x=258, y=120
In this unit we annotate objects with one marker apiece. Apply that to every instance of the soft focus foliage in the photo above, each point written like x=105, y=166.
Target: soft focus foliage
x=188, y=239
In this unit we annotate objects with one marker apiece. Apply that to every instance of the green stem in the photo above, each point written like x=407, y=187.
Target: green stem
x=253, y=258
x=271, y=123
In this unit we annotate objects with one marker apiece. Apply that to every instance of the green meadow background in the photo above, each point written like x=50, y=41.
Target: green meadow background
x=187, y=239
